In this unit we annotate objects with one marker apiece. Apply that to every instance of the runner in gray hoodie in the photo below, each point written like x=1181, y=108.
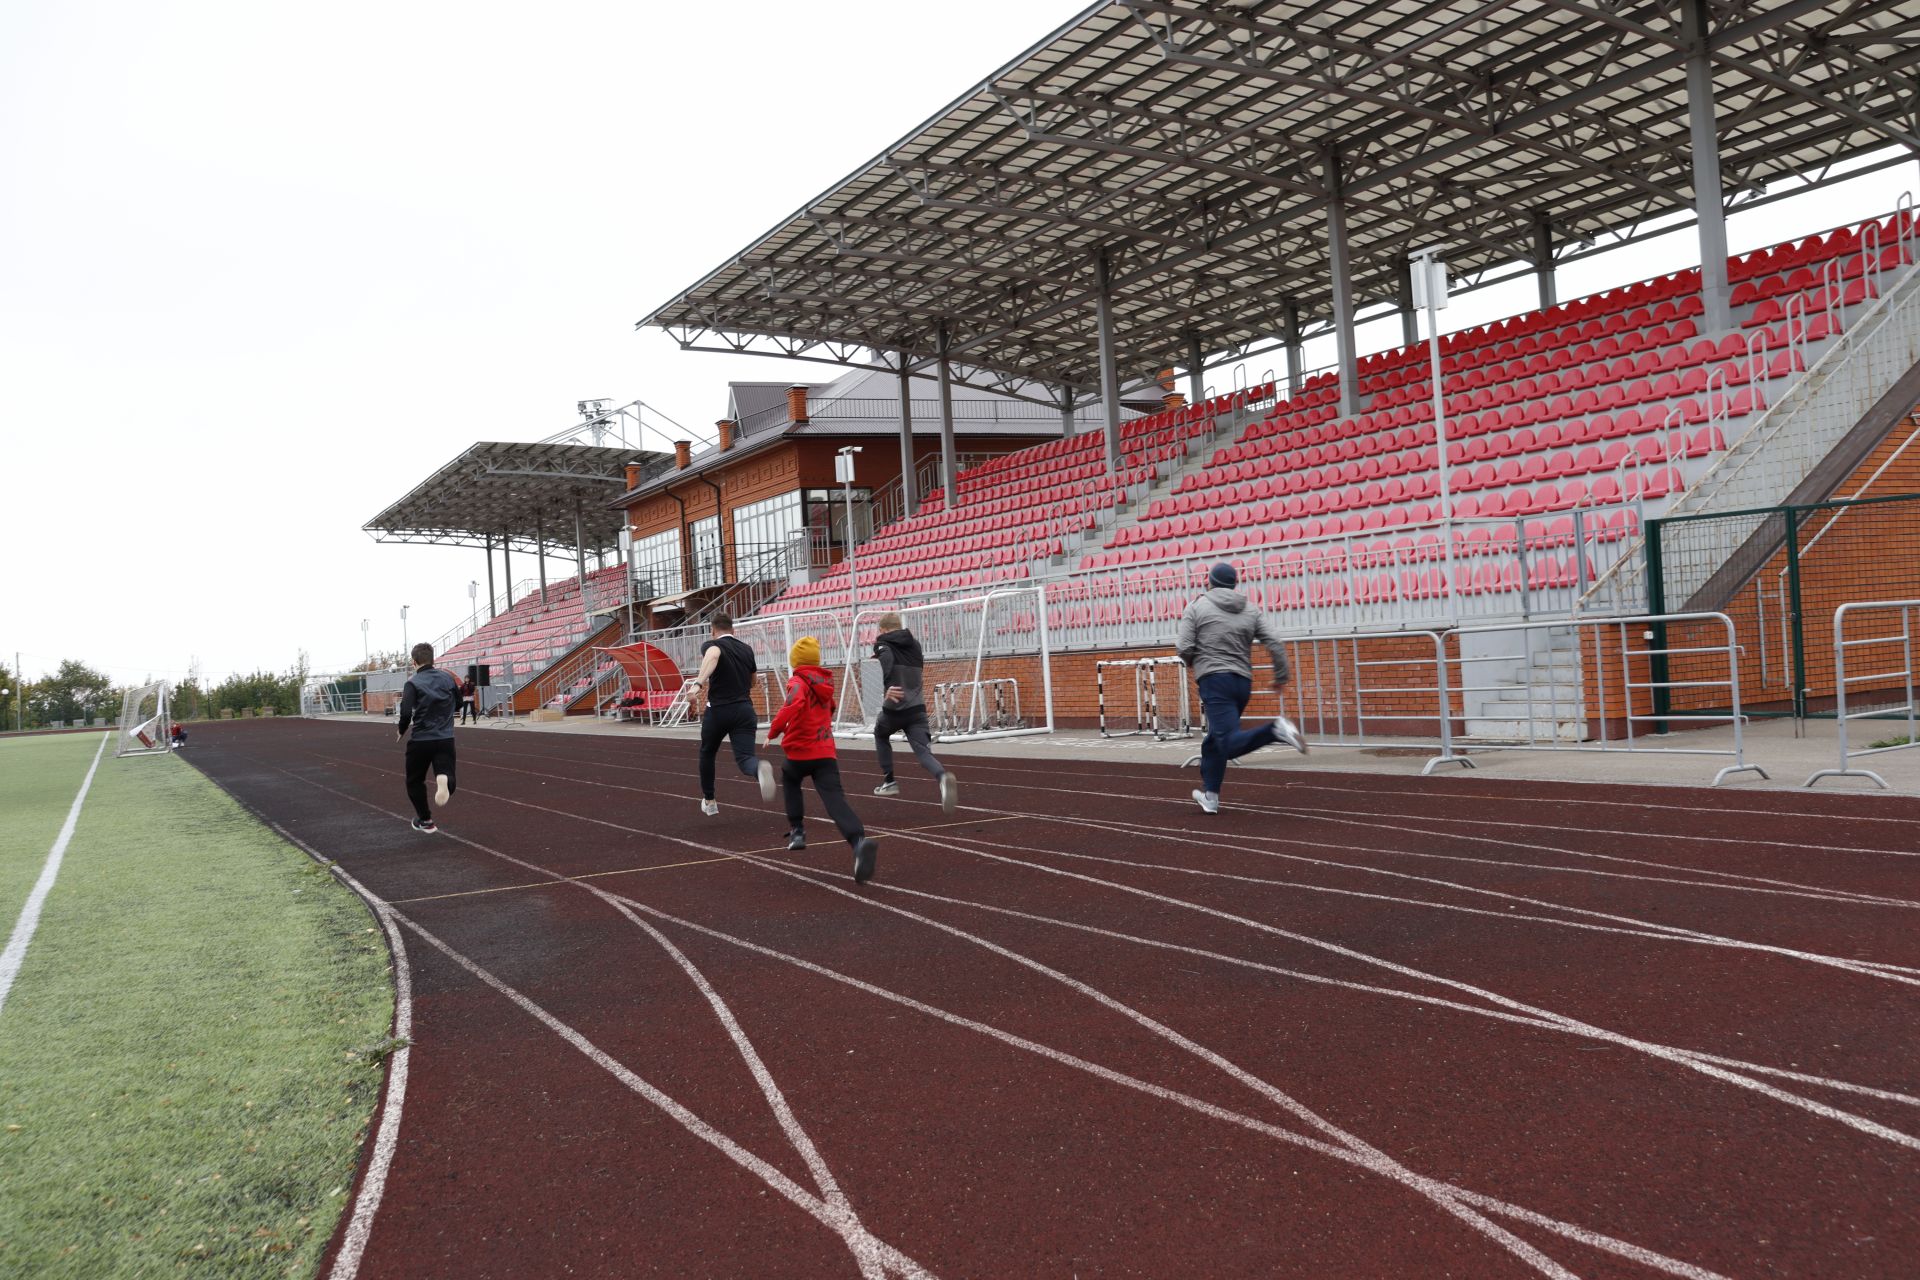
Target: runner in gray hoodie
x=1216, y=642
x=904, y=710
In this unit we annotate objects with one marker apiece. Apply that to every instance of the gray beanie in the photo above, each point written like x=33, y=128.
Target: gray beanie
x=1222, y=575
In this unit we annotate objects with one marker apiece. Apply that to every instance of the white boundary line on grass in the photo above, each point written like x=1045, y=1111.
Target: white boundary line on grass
x=23, y=928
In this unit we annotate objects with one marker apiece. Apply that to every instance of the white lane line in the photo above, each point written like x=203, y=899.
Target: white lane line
x=872, y=1265
x=876, y=1256
x=23, y=928
x=1663, y=1052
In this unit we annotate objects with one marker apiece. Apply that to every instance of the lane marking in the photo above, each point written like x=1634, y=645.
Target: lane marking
x=29, y=920
x=540, y=884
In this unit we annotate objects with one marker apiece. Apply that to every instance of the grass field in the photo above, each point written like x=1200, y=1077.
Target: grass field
x=184, y=1060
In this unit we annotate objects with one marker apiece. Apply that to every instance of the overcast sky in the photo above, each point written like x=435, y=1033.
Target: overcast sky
x=264, y=267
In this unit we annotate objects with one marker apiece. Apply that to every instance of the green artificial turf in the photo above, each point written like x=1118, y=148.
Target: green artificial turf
x=187, y=1059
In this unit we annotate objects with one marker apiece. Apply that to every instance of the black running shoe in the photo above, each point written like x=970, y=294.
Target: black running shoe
x=426, y=825
x=796, y=841
x=864, y=854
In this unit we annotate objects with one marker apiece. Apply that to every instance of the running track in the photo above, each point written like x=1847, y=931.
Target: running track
x=1351, y=1027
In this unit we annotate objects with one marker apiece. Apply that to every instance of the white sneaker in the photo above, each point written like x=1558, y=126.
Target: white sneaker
x=949, y=793
x=1209, y=801
x=1289, y=733
x=887, y=789
x=440, y=791
x=710, y=807
x=766, y=782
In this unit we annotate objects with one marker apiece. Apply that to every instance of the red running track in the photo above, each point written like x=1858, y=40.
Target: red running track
x=1353, y=1026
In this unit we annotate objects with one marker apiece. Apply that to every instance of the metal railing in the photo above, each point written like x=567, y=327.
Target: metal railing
x=500, y=604
x=1905, y=712
x=1343, y=691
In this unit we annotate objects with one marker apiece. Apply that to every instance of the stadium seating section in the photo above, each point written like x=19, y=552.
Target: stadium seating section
x=529, y=637
x=1600, y=406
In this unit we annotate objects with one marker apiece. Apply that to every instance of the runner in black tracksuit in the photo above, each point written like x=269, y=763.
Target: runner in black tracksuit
x=427, y=706
x=904, y=710
x=724, y=687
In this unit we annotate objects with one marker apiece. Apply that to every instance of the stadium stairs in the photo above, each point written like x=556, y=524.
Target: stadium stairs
x=531, y=645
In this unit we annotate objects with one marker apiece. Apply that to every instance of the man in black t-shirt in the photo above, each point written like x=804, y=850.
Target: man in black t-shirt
x=723, y=697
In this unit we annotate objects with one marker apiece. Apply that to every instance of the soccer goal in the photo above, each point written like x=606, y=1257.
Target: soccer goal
x=145, y=728
x=989, y=668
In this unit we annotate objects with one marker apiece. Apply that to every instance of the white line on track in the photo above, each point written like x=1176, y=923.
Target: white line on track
x=873, y=1259
x=1621, y=924
x=29, y=919
x=1706, y=1063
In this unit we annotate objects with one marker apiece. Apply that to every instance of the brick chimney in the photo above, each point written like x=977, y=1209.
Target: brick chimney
x=682, y=454
x=726, y=427
x=797, y=403
x=633, y=475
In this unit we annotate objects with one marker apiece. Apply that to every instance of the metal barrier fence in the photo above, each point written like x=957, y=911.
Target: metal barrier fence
x=1145, y=679
x=1868, y=647
x=1345, y=690
x=1791, y=568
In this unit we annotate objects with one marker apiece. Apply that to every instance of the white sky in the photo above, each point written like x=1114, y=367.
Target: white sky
x=264, y=267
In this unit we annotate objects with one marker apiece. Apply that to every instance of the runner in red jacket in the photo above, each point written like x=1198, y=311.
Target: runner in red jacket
x=806, y=723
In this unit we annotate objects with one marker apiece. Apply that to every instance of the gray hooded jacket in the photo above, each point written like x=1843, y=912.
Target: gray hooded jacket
x=1217, y=634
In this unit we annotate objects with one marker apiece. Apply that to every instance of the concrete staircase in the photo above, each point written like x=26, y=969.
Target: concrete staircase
x=1532, y=696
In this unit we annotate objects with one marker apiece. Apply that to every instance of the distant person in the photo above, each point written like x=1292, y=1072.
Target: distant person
x=177, y=736
x=427, y=705
x=1215, y=640
x=904, y=710
x=806, y=720
x=723, y=699
x=469, y=702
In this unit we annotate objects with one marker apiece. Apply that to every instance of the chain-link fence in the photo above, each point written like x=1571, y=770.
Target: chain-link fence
x=1781, y=573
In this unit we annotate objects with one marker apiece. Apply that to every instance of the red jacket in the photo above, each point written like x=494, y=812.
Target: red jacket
x=807, y=717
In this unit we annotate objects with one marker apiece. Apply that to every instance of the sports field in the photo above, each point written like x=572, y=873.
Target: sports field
x=1350, y=1027
x=188, y=1054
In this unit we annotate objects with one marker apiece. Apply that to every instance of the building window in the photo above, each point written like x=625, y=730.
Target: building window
x=763, y=535
x=708, y=568
x=656, y=565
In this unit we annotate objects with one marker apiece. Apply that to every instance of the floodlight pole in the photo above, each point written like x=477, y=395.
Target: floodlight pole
x=473, y=606
x=843, y=464
x=1432, y=281
x=405, y=648
x=366, y=645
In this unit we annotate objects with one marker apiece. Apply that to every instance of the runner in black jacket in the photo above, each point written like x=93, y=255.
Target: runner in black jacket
x=905, y=710
x=428, y=705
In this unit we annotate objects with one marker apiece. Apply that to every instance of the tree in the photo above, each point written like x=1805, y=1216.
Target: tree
x=70, y=694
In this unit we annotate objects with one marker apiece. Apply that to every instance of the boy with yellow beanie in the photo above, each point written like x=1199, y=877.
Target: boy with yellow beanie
x=806, y=723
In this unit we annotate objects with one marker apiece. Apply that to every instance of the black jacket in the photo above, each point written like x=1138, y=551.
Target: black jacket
x=901, y=665
x=431, y=698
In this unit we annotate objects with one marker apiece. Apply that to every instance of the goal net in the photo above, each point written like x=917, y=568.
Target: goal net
x=988, y=673
x=144, y=725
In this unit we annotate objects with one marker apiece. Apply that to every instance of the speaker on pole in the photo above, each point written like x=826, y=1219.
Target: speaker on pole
x=478, y=675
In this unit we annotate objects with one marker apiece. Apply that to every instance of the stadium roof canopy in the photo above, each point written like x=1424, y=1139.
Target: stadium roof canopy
x=1193, y=157
x=518, y=495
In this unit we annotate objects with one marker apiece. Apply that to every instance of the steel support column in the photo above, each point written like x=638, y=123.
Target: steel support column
x=1295, y=354
x=1109, y=368
x=1337, y=264
x=949, y=461
x=1409, y=319
x=540, y=551
x=1709, y=203
x=492, y=611
x=1067, y=425
x=506, y=564
x=579, y=550
x=909, y=499
x=1196, y=369
x=1543, y=261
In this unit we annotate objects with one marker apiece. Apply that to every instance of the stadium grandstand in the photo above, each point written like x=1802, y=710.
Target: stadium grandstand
x=1083, y=297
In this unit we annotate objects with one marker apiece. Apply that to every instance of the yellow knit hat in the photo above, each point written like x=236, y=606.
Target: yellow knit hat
x=805, y=652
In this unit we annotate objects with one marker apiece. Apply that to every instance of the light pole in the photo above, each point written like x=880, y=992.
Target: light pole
x=1430, y=291
x=473, y=606
x=406, y=650
x=843, y=472
x=366, y=645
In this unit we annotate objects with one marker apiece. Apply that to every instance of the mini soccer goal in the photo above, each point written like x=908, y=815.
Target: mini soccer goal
x=987, y=658
x=145, y=728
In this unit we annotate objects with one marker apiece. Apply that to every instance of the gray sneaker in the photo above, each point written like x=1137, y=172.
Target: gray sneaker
x=887, y=789
x=766, y=781
x=1209, y=801
x=949, y=793
x=1289, y=732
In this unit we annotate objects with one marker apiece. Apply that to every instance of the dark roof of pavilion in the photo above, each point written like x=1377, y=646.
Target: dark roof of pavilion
x=518, y=491
x=1195, y=144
